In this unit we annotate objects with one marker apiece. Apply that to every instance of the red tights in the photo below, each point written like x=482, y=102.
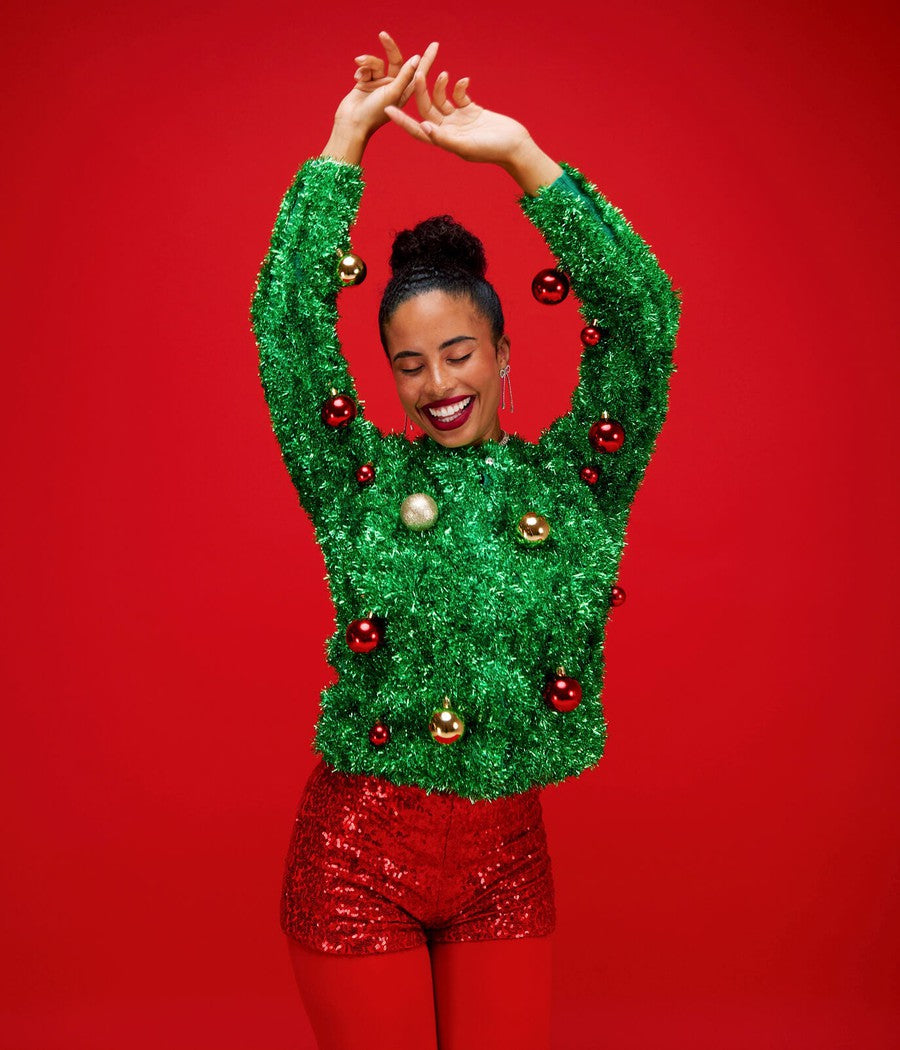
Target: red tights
x=455, y=996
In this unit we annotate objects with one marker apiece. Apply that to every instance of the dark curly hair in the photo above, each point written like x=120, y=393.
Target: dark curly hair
x=439, y=255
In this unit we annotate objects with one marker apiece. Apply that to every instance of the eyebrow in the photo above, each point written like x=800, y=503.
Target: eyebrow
x=447, y=343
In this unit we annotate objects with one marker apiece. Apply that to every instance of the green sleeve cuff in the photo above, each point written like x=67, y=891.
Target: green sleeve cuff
x=568, y=185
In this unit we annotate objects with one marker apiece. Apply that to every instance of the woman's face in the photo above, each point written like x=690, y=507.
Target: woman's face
x=447, y=367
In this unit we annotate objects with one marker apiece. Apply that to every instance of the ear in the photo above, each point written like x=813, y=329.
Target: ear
x=503, y=346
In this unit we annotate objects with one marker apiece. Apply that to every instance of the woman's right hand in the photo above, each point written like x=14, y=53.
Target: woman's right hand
x=362, y=111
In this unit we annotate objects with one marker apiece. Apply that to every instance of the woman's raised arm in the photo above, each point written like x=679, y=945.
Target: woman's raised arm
x=294, y=308
x=622, y=289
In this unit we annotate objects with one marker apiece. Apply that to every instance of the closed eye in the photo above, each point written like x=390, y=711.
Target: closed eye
x=450, y=361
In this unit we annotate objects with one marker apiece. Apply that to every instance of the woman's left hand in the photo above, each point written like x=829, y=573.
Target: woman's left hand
x=458, y=124
x=461, y=126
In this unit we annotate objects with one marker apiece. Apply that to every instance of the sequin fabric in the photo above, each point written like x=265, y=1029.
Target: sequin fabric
x=379, y=867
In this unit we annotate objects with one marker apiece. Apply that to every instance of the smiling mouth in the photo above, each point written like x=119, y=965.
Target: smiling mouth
x=449, y=417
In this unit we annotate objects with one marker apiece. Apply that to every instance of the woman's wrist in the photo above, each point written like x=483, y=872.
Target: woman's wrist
x=347, y=143
x=531, y=167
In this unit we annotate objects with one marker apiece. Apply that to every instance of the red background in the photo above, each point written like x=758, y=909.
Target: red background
x=727, y=878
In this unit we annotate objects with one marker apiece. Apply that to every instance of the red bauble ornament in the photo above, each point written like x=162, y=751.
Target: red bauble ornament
x=591, y=335
x=338, y=410
x=606, y=435
x=363, y=636
x=379, y=734
x=562, y=693
x=616, y=595
x=590, y=475
x=365, y=474
x=550, y=287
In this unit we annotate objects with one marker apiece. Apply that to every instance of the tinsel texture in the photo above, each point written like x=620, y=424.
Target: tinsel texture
x=470, y=612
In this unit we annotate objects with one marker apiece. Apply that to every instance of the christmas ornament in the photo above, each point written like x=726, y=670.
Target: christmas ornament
x=351, y=269
x=533, y=528
x=365, y=474
x=418, y=512
x=590, y=475
x=550, y=287
x=591, y=335
x=338, y=410
x=379, y=734
x=607, y=435
x=616, y=595
x=364, y=636
x=446, y=727
x=562, y=693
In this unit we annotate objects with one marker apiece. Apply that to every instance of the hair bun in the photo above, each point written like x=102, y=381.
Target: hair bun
x=438, y=244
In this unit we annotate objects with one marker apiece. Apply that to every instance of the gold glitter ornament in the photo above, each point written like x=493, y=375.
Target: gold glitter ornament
x=418, y=512
x=533, y=529
x=446, y=726
x=351, y=269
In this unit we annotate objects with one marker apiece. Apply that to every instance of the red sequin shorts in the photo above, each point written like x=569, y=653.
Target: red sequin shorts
x=380, y=867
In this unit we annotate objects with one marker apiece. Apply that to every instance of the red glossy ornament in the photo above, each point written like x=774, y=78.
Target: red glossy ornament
x=616, y=595
x=590, y=475
x=591, y=335
x=364, y=636
x=379, y=734
x=365, y=474
x=607, y=435
x=338, y=410
x=562, y=693
x=550, y=287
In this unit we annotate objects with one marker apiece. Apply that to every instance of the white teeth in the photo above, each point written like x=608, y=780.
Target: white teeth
x=448, y=412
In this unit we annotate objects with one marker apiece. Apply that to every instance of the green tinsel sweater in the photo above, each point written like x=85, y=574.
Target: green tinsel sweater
x=469, y=613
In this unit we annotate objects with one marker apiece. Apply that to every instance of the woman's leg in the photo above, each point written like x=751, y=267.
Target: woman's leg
x=382, y=1001
x=493, y=993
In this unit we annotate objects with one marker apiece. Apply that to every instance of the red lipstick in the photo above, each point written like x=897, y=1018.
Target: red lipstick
x=442, y=415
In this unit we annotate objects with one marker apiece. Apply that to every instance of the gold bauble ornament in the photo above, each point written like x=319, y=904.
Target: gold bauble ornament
x=351, y=269
x=533, y=528
x=418, y=512
x=446, y=727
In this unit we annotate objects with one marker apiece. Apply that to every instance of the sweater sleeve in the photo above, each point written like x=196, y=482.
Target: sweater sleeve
x=622, y=290
x=294, y=315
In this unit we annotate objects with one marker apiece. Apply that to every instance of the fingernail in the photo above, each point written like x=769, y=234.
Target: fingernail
x=427, y=127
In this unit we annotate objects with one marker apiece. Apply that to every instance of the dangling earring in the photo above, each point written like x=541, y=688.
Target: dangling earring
x=506, y=386
x=406, y=424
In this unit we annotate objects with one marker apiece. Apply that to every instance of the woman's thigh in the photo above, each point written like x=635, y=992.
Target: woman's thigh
x=493, y=993
x=382, y=1001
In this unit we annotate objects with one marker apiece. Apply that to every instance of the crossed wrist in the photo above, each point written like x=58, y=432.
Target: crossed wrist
x=348, y=141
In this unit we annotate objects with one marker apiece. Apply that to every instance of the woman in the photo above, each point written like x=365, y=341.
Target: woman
x=472, y=574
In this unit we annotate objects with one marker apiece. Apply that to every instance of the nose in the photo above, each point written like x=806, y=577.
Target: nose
x=438, y=381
